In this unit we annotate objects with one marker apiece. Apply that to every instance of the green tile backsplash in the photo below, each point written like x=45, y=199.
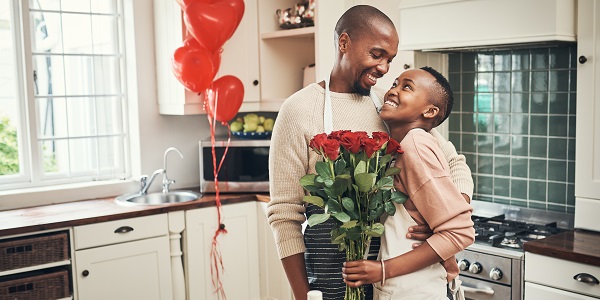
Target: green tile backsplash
x=514, y=120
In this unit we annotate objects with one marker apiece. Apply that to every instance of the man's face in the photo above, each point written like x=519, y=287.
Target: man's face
x=408, y=99
x=368, y=57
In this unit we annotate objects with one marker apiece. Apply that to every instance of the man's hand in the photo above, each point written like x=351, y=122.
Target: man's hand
x=360, y=272
x=422, y=232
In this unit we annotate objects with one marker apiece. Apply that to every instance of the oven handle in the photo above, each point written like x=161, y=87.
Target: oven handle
x=474, y=290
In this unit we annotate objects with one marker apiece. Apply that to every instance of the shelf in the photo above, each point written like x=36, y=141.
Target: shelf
x=34, y=268
x=305, y=32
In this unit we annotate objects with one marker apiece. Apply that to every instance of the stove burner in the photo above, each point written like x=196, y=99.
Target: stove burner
x=499, y=232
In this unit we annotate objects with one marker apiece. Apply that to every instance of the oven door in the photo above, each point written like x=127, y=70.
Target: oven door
x=477, y=289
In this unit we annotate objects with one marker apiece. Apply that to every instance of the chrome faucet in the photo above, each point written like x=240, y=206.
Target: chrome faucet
x=166, y=182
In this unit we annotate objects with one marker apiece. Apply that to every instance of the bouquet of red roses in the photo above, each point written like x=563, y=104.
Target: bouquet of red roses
x=354, y=186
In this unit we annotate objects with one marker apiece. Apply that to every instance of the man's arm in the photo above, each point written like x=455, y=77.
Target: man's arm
x=295, y=269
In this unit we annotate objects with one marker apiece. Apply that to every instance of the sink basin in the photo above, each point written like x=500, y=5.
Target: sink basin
x=158, y=198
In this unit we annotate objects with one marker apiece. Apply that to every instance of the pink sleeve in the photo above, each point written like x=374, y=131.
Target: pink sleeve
x=434, y=198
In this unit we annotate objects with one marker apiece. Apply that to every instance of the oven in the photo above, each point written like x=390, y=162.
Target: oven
x=492, y=268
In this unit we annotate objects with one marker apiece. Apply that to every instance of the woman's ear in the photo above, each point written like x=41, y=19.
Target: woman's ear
x=431, y=112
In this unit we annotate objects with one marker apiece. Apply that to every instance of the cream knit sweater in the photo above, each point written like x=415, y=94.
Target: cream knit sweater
x=290, y=158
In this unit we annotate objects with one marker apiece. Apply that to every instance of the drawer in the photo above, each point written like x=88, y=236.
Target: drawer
x=535, y=292
x=114, y=232
x=559, y=273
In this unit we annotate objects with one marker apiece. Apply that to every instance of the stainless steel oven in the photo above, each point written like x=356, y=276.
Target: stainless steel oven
x=492, y=268
x=245, y=168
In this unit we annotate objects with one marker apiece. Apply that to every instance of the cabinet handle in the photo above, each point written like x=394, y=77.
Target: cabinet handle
x=582, y=59
x=85, y=273
x=255, y=82
x=124, y=229
x=586, y=278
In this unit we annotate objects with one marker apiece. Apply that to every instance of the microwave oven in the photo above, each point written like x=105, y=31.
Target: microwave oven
x=245, y=168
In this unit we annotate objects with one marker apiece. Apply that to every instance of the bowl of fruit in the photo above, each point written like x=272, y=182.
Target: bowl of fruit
x=252, y=126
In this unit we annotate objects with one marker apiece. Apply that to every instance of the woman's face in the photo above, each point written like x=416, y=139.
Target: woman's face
x=408, y=99
x=368, y=57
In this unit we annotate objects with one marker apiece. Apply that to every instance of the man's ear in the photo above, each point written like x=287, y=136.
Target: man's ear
x=343, y=41
x=431, y=112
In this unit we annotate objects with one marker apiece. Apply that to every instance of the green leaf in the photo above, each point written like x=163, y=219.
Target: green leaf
x=308, y=180
x=392, y=171
x=318, y=201
x=323, y=169
x=361, y=167
x=364, y=181
x=342, y=217
x=349, y=224
x=384, y=160
x=317, y=219
x=339, y=186
x=385, y=183
x=376, y=230
x=390, y=208
x=376, y=200
x=399, y=197
x=374, y=214
x=333, y=206
x=353, y=233
x=338, y=239
x=348, y=203
x=339, y=166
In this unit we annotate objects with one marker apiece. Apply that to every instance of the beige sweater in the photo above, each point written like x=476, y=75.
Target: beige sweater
x=290, y=158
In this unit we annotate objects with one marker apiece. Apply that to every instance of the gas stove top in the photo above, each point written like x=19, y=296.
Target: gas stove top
x=499, y=232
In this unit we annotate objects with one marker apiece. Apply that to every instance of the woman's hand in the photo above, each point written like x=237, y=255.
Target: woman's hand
x=420, y=233
x=360, y=272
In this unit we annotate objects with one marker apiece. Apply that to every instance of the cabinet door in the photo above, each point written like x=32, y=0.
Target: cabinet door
x=133, y=270
x=238, y=247
x=239, y=58
x=587, y=147
x=535, y=292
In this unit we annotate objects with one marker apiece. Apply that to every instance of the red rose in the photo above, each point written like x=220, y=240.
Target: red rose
x=381, y=138
x=351, y=141
x=331, y=149
x=316, y=143
x=393, y=147
x=371, y=146
x=362, y=135
x=336, y=135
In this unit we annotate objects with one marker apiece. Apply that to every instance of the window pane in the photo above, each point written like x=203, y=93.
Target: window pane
x=9, y=104
x=81, y=113
x=111, y=157
x=46, y=29
x=83, y=156
x=52, y=118
x=45, y=4
x=78, y=75
x=77, y=33
x=48, y=75
x=109, y=115
x=104, y=6
x=104, y=29
x=76, y=5
x=55, y=157
x=107, y=79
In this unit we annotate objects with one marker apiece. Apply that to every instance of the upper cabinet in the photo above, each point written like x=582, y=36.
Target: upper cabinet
x=587, y=147
x=442, y=24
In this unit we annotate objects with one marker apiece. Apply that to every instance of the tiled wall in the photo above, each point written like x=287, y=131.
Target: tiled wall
x=514, y=120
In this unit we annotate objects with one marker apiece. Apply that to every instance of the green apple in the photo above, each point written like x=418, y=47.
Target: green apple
x=260, y=128
x=236, y=126
x=250, y=126
x=268, y=124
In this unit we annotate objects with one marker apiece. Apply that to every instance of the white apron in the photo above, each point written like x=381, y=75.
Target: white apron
x=425, y=284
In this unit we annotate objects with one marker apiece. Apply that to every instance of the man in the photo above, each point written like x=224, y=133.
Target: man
x=366, y=43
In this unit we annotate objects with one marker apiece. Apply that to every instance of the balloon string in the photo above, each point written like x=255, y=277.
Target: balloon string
x=215, y=252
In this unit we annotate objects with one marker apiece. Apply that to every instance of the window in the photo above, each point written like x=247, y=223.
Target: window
x=62, y=92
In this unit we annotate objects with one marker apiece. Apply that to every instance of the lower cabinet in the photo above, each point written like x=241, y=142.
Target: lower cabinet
x=551, y=278
x=123, y=260
x=238, y=248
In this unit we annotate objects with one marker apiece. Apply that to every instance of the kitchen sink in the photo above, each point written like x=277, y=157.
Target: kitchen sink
x=158, y=198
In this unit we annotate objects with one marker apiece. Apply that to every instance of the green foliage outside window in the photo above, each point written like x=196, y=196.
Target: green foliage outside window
x=9, y=150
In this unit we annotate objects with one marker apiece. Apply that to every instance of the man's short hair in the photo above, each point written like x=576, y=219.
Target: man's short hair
x=357, y=21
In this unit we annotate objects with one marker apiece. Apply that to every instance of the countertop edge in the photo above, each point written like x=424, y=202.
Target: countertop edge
x=64, y=215
x=577, y=245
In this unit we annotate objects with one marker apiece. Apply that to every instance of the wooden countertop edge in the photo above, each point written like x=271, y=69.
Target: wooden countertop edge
x=575, y=245
x=63, y=215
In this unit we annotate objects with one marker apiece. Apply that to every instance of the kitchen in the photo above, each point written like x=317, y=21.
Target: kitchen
x=158, y=132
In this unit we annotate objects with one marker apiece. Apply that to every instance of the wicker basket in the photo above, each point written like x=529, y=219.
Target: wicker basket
x=49, y=286
x=33, y=250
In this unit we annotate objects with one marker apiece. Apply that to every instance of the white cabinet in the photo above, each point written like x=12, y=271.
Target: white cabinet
x=238, y=248
x=552, y=279
x=273, y=280
x=587, y=147
x=124, y=259
x=239, y=58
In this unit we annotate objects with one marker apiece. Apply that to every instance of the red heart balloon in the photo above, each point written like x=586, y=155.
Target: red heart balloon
x=184, y=3
x=193, y=68
x=215, y=57
x=211, y=24
x=226, y=94
x=239, y=7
